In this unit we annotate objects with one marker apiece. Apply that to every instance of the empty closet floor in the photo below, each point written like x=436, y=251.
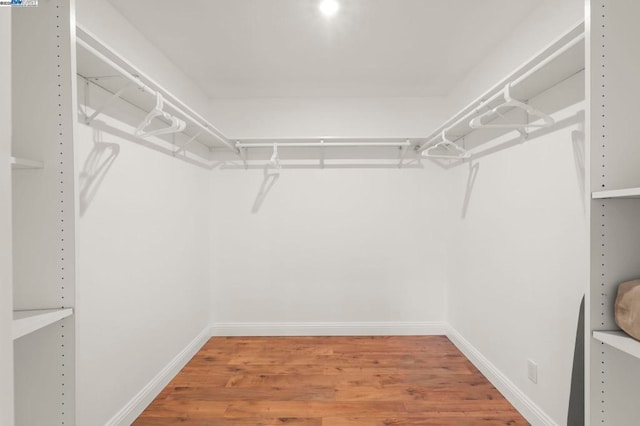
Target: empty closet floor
x=330, y=381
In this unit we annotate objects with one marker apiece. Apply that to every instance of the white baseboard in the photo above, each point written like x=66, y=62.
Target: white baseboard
x=138, y=403
x=330, y=329
x=531, y=411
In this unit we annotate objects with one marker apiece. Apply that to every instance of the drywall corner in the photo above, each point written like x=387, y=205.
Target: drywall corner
x=532, y=412
x=142, y=399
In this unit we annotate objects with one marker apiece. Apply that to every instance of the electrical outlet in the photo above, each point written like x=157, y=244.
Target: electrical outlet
x=532, y=371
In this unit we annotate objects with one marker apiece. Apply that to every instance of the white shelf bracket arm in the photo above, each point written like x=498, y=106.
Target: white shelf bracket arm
x=109, y=101
x=524, y=133
x=186, y=144
x=82, y=106
x=529, y=112
x=322, y=154
x=403, y=152
x=243, y=154
x=521, y=129
x=275, y=158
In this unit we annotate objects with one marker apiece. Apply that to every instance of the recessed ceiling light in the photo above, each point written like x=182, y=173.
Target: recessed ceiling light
x=329, y=7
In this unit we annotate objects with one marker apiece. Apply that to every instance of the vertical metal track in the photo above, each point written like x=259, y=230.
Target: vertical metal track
x=599, y=112
x=65, y=208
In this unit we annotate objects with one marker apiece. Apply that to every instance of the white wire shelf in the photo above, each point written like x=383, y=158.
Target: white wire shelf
x=26, y=322
x=619, y=340
x=559, y=61
x=100, y=65
x=562, y=59
x=617, y=193
x=24, y=163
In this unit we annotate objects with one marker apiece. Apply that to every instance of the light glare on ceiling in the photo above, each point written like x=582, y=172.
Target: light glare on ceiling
x=329, y=7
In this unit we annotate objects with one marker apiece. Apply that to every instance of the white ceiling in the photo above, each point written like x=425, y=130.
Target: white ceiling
x=286, y=48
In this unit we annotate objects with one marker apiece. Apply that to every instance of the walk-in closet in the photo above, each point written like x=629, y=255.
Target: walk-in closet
x=319, y=212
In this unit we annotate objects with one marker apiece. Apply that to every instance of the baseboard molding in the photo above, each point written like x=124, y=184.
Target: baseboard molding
x=138, y=403
x=531, y=411
x=330, y=329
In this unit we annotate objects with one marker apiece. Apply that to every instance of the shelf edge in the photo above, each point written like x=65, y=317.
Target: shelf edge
x=41, y=318
x=620, y=341
x=617, y=193
x=24, y=163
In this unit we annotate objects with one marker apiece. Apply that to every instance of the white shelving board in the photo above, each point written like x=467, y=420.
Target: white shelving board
x=612, y=92
x=103, y=75
x=619, y=340
x=562, y=67
x=25, y=322
x=558, y=70
x=24, y=163
x=617, y=193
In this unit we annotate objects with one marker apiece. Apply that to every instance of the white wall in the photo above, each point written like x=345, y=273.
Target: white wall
x=354, y=245
x=518, y=260
x=143, y=274
x=6, y=285
x=335, y=245
x=519, y=253
x=313, y=117
x=345, y=246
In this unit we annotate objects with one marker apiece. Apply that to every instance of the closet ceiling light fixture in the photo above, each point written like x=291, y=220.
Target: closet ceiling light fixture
x=329, y=7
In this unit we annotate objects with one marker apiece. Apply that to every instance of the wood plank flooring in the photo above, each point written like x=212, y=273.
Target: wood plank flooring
x=330, y=381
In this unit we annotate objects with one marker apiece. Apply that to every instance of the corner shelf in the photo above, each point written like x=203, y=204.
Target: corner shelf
x=619, y=340
x=617, y=193
x=23, y=163
x=95, y=59
x=25, y=322
x=559, y=61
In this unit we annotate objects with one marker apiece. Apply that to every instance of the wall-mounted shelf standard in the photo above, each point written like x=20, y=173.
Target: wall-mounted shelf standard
x=559, y=61
x=24, y=163
x=619, y=340
x=25, y=322
x=617, y=193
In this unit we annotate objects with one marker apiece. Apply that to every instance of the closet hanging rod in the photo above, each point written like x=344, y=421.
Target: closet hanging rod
x=555, y=55
x=525, y=76
x=496, y=91
x=208, y=128
x=320, y=144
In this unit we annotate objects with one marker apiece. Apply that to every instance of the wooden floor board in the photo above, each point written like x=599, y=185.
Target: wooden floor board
x=330, y=381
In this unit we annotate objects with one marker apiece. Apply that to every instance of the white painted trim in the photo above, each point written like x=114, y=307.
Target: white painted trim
x=138, y=403
x=330, y=329
x=530, y=410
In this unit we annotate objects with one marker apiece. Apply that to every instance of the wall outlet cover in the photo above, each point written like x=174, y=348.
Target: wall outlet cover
x=532, y=371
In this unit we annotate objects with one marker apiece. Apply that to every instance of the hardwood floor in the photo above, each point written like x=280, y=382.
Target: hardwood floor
x=330, y=381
